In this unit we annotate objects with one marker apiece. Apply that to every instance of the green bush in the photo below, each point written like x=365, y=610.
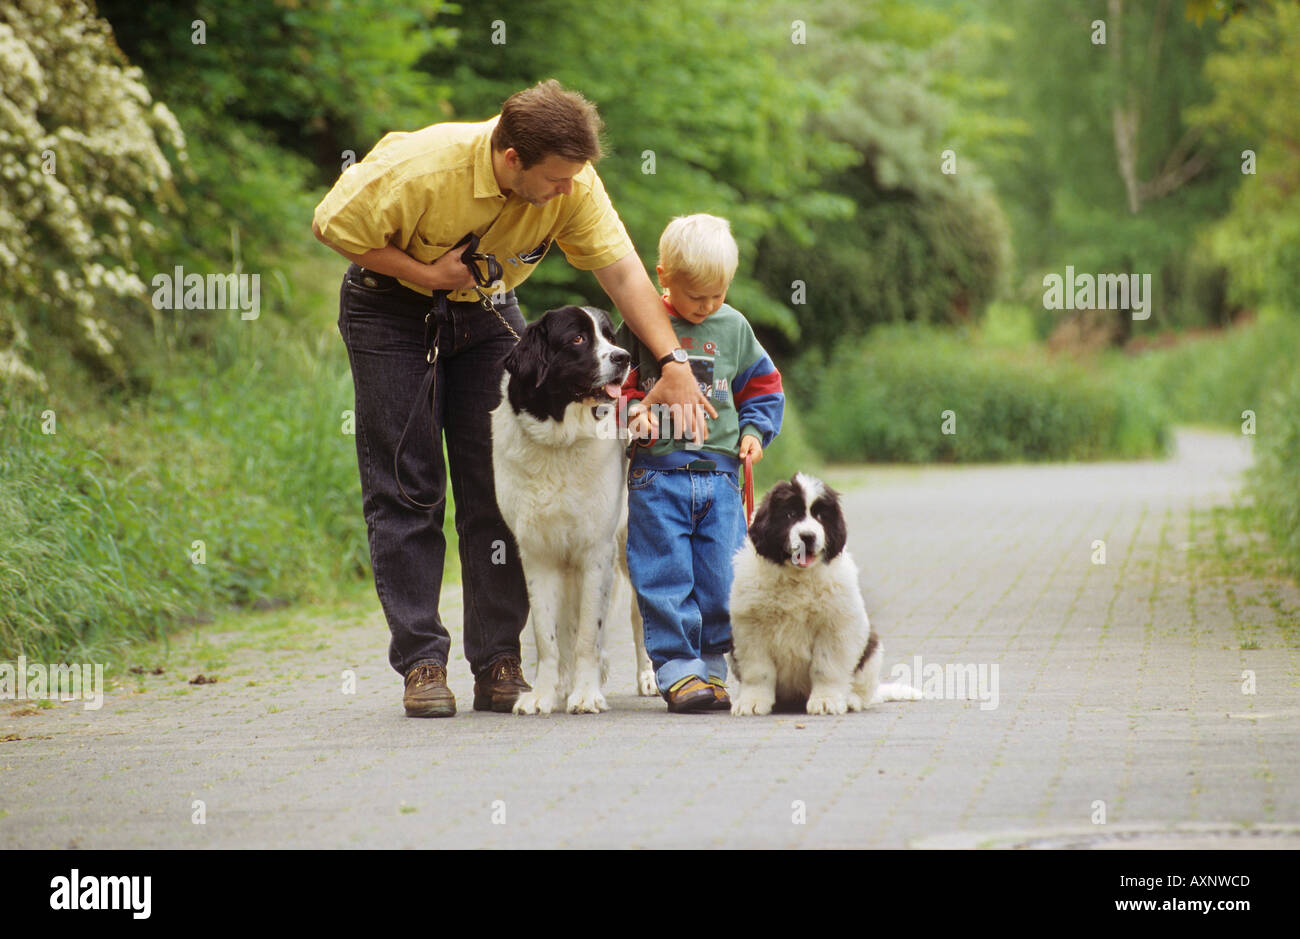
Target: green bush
x=1274, y=480
x=884, y=398
x=1212, y=380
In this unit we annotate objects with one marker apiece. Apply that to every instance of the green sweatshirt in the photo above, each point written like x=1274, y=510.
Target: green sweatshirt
x=734, y=373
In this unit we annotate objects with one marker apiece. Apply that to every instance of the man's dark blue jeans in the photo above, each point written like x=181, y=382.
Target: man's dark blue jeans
x=382, y=324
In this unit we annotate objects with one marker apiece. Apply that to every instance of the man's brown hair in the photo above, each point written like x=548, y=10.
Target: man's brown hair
x=546, y=119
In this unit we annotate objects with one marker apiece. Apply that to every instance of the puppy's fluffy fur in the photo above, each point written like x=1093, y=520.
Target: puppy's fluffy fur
x=801, y=633
x=560, y=477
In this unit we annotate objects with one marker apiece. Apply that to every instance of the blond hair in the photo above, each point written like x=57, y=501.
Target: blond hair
x=700, y=249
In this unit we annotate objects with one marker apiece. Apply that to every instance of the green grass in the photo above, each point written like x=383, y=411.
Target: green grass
x=1214, y=380
x=1274, y=480
x=235, y=457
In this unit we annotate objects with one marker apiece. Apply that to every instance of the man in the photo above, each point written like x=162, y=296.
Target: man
x=521, y=181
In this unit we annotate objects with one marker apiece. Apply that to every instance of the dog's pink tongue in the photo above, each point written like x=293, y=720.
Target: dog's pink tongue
x=805, y=561
x=613, y=389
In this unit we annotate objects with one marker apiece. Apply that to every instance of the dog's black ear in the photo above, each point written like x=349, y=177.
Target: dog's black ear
x=765, y=533
x=830, y=514
x=837, y=532
x=531, y=356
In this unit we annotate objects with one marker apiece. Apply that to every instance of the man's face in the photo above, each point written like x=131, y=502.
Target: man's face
x=543, y=181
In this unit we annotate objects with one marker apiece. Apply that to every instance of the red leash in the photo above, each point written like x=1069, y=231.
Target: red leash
x=749, y=490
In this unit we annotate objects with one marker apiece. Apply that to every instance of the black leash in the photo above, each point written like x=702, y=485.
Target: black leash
x=471, y=259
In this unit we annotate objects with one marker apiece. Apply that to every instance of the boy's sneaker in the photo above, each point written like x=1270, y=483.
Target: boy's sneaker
x=721, y=700
x=690, y=694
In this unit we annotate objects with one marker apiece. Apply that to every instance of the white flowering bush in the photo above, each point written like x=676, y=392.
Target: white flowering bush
x=82, y=166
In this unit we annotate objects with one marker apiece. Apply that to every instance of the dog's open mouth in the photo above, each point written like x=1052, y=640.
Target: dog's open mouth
x=799, y=559
x=609, y=391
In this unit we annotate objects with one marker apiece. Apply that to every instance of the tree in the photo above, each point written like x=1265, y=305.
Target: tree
x=927, y=241
x=82, y=143
x=700, y=115
x=1255, y=71
x=1111, y=176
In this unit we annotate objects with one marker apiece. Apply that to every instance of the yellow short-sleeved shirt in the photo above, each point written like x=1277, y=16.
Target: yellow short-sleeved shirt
x=425, y=190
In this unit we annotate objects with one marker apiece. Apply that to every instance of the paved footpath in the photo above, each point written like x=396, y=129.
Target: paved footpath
x=1119, y=690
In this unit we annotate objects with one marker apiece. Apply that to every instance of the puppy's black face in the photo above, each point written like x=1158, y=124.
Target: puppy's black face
x=799, y=522
x=568, y=355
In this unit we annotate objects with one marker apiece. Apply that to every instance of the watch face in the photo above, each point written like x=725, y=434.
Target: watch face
x=679, y=355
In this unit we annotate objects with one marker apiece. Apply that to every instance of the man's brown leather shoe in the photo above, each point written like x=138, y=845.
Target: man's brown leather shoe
x=499, y=685
x=427, y=694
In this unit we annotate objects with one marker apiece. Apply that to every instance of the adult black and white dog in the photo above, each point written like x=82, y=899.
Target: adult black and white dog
x=800, y=628
x=561, y=485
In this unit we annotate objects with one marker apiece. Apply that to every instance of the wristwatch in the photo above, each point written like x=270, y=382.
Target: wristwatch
x=677, y=355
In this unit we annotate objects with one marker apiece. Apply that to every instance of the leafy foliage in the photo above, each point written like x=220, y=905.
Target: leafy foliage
x=318, y=77
x=1061, y=174
x=923, y=245
x=723, y=125
x=1258, y=241
x=82, y=144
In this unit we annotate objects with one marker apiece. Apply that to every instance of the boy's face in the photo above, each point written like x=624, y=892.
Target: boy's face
x=694, y=302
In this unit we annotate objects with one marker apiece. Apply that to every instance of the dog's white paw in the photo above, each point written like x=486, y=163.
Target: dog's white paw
x=586, y=701
x=746, y=704
x=827, y=704
x=854, y=701
x=645, y=684
x=531, y=702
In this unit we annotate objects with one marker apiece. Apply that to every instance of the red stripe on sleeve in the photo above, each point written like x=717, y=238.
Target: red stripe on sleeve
x=761, y=385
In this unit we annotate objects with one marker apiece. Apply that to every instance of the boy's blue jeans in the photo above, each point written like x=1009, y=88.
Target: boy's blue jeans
x=683, y=529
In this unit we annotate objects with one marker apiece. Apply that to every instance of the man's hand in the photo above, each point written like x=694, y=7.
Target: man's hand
x=628, y=285
x=751, y=446
x=678, y=389
x=446, y=273
x=449, y=272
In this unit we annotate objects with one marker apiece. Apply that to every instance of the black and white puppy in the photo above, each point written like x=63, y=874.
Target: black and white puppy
x=560, y=477
x=800, y=628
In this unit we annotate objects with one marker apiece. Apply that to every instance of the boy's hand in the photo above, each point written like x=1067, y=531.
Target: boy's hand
x=641, y=424
x=750, y=446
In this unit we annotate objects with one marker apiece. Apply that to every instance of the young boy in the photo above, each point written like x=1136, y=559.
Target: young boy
x=685, y=520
